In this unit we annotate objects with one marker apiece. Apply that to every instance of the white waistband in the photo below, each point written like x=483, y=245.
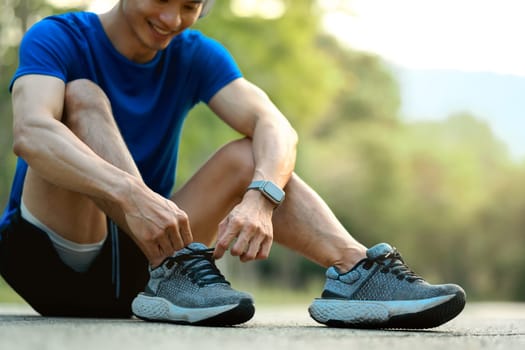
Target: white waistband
x=78, y=256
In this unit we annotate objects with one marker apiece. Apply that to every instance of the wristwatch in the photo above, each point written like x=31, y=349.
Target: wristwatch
x=269, y=190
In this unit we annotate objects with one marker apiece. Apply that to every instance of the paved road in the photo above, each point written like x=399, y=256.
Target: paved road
x=481, y=326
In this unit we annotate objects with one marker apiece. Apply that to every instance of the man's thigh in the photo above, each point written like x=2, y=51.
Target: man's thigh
x=216, y=188
x=31, y=266
x=71, y=214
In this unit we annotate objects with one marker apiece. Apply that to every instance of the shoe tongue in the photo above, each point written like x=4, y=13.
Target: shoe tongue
x=209, y=274
x=378, y=250
x=190, y=248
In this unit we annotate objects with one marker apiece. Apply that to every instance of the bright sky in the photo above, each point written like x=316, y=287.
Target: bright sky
x=472, y=35
x=101, y=5
x=459, y=35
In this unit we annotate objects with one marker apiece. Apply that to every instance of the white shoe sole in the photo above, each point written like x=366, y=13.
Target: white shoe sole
x=371, y=313
x=153, y=308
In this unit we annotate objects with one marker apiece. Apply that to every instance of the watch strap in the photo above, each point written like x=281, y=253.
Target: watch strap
x=270, y=190
x=256, y=185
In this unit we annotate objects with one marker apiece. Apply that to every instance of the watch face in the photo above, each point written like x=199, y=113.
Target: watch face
x=274, y=192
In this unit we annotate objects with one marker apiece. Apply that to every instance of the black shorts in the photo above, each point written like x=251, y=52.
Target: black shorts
x=31, y=266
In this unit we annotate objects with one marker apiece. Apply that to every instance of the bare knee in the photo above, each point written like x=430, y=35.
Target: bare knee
x=83, y=96
x=238, y=158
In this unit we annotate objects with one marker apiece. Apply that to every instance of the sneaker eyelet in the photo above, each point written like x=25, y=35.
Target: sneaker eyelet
x=367, y=265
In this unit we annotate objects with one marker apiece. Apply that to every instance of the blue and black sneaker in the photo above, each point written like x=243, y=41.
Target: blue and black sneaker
x=382, y=292
x=188, y=288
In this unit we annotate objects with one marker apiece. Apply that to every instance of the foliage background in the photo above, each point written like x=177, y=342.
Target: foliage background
x=447, y=193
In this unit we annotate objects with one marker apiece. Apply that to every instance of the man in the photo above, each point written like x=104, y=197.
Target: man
x=98, y=103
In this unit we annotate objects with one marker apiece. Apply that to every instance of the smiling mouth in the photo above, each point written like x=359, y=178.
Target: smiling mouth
x=160, y=30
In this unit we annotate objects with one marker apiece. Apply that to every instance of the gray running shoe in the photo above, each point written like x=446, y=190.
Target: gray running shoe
x=188, y=288
x=382, y=292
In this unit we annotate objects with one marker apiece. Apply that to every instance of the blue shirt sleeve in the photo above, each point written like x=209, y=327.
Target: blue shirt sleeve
x=46, y=49
x=217, y=66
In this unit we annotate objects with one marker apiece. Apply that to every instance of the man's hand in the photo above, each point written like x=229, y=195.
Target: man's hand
x=158, y=225
x=249, y=224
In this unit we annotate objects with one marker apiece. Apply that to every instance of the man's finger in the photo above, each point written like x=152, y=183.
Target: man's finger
x=182, y=229
x=242, y=244
x=254, y=247
x=176, y=239
x=165, y=245
x=223, y=244
x=185, y=234
x=152, y=253
x=225, y=236
x=264, y=251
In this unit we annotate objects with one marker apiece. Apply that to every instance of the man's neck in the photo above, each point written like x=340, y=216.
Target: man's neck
x=123, y=38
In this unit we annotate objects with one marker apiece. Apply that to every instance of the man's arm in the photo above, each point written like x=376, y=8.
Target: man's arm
x=57, y=155
x=50, y=148
x=247, y=109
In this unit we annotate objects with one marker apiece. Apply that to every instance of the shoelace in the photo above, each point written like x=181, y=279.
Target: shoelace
x=394, y=263
x=198, y=265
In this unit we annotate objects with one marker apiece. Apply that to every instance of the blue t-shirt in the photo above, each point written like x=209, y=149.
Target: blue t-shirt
x=149, y=101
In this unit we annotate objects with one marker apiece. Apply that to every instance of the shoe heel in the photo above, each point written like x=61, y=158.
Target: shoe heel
x=150, y=308
x=341, y=313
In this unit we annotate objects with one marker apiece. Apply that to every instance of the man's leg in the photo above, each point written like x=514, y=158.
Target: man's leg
x=307, y=225
x=74, y=216
x=364, y=288
x=107, y=287
x=303, y=223
x=207, y=198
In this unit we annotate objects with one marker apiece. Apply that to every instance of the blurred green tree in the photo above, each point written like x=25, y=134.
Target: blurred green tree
x=280, y=55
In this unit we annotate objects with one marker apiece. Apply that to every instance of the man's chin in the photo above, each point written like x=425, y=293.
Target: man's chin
x=161, y=45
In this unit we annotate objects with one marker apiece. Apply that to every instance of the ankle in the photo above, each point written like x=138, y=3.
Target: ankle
x=350, y=258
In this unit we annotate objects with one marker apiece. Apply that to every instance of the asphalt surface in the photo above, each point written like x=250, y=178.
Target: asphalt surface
x=480, y=326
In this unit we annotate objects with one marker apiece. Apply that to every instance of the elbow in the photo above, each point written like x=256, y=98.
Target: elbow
x=23, y=144
x=294, y=137
x=20, y=146
x=293, y=140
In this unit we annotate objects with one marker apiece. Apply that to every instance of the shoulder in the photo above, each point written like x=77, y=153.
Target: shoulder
x=61, y=29
x=71, y=21
x=210, y=66
x=55, y=44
